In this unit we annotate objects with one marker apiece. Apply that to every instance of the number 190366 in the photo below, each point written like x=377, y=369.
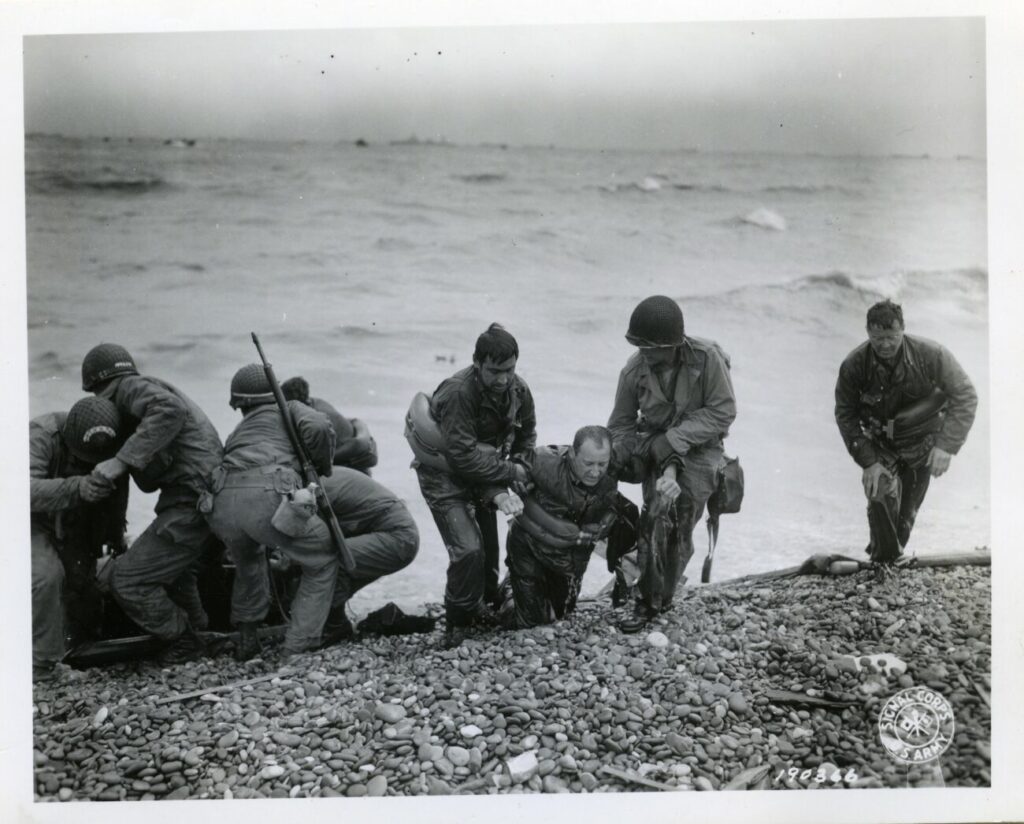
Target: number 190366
x=818, y=776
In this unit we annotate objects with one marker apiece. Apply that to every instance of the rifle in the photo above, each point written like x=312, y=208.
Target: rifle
x=309, y=474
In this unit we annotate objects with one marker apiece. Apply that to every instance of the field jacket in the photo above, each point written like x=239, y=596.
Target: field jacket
x=173, y=446
x=468, y=417
x=700, y=411
x=869, y=391
x=261, y=439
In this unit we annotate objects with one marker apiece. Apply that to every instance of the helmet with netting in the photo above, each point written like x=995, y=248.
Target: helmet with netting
x=106, y=361
x=92, y=430
x=250, y=387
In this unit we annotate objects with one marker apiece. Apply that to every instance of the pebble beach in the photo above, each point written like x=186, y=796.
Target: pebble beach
x=745, y=684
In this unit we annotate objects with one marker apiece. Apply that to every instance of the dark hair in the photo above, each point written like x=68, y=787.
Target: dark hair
x=884, y=313
x=495, y=344
x=598, y=434
x=296, y=389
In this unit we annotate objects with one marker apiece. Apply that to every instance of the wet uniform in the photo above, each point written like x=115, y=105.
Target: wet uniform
x=870, y=392
x=692, y=404
x=67, y=537
x=173, y=448
x=461, y=500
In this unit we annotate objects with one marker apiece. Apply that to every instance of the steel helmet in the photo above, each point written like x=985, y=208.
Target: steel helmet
x=656, y=321
x=92, y=430
x=104, y=362
x=250, y=387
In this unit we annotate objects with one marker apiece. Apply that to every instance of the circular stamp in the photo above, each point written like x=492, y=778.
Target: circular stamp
x=916, y=725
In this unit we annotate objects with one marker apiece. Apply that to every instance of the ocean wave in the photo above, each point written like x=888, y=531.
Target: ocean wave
x=816, y=298
x=481, y=177
x=358, y=332
x=765, y=219
x=105, y=182
x=811, y=189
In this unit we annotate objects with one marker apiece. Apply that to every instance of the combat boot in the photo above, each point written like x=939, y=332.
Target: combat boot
x=186, y=647
x=248, y=645
x=641, y=617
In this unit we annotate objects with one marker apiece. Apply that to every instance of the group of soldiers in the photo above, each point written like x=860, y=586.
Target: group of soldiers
x=903, y=405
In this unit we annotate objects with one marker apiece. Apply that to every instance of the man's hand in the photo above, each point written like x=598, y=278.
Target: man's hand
x=111, y=469
x=94, y=488
x=509, y=503
x=938, y=461
x=667, y=486
x=872, y=475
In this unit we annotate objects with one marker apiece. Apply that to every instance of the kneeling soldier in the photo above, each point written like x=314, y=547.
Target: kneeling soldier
x=257, y=503
x=70, y=508
x=571, y=506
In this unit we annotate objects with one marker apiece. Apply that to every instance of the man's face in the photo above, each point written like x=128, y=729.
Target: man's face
x=655, y=356
x=886, y=342
x=590, y=462
x=496, y=377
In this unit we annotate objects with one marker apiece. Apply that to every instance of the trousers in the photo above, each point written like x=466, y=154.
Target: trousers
x=665, y=539
x=47, y=601
x=382, y=538
x=545, y=581
x=469, y=529
x=893, y=509
x=154, y=581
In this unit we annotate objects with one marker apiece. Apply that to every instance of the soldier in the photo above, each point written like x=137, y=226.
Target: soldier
x=904, y=407
x=251, y=509
x=73, y=513
x=172, y=448
x=487, y=424
x=570, y=506
x=355, y=447
x=673, y=407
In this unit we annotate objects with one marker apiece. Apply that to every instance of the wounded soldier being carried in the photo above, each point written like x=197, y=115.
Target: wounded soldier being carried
x=570, y=506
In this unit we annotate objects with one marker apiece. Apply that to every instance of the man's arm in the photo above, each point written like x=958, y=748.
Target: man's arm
x=961, y=404
x=317, y=435
x=526, y=436
x=847, y=413
x=469, y=458
x=715, y=416
x=359, y=451
x=161, y=415
x=48, y=494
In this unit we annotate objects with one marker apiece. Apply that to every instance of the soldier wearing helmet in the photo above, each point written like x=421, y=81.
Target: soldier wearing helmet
x=258, y=501
x=673, y=407
x=74, y=512
x=173, y=448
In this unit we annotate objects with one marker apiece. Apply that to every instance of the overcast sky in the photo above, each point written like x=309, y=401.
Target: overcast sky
x=867, y=86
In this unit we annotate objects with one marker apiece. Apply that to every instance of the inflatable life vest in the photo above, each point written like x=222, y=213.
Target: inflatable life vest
x=545, y=527
x=424, y=435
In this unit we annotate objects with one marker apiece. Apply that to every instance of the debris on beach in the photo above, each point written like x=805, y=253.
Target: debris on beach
x=747, y=684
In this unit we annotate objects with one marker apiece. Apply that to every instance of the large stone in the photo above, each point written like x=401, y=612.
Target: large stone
x=390, y=713
x=523, y=767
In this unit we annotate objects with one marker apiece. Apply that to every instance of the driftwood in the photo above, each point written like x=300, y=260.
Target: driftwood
x=983, y=694
x=222, y=688
x=638, y=779
x=978, y=557
x=787, y=697
x=748, y=778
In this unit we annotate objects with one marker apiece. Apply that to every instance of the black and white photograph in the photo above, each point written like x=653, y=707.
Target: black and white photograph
x=465, y=403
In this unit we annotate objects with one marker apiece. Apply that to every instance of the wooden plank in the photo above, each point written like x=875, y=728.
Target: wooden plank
x=222, y=688
x=638, y=779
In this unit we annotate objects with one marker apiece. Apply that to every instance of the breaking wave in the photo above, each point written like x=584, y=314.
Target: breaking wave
x=60, y=182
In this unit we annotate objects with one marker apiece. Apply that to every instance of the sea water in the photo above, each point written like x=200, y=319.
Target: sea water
x=371, y=270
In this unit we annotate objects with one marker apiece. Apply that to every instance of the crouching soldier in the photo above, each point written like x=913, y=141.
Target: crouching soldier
x=73, y=512
x=354, y=446
x=485, y=426
x=257, y=495
x=570, y=506
x=172, y=448
x=904, y=407
x=673, y=407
